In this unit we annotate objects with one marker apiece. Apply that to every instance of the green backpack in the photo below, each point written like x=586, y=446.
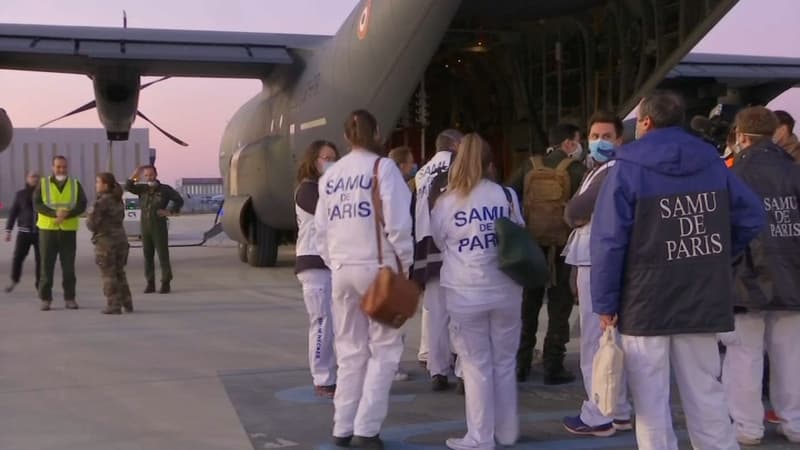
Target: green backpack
x=518, y=254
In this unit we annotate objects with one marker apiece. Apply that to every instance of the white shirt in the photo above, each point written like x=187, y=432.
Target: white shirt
x=463, y=228
x=345, y=215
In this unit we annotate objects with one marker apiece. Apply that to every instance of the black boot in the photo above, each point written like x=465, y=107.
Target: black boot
x=151, y=287
x=558, y=375
x=342, y=441
x=372, y=443
x=164, y=288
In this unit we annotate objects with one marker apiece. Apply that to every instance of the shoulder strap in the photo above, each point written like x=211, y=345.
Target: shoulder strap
x=379, y=222
x=378, y=207
x=509, y=199
x=562, y=166
x=537, y=162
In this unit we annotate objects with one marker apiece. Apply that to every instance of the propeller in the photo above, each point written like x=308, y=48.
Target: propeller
x=164, y=132
x=86, y=107
x=93, y=104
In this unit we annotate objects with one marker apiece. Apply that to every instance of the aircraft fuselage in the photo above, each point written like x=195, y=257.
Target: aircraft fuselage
x=374, y=62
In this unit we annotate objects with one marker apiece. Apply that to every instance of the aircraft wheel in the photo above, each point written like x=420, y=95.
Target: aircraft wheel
x=243, y=252
x=264, y=253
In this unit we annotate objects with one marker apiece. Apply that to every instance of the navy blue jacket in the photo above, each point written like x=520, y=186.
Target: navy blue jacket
x=768, y=274
x=668, y=222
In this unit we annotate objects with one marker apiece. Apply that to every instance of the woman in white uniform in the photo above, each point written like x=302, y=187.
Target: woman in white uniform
x=481, y=300
x=312, y=272
x=347, y=241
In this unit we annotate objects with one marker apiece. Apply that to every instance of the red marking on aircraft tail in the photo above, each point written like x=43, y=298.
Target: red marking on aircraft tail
x=363, y=21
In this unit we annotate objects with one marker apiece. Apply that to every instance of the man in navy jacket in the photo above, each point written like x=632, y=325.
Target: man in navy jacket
x=669, y=220
x=767, y=300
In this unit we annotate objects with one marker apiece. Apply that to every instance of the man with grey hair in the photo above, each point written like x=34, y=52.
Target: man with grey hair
x=23, y=215
x=669, y=220
x=431, y=181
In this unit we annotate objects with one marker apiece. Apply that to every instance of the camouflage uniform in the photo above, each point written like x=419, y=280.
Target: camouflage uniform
x=111, y=251
x=154, y=228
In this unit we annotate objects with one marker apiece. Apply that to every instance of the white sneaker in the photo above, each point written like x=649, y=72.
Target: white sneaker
x=401, y=376
x=466, y=444
x=745, y=440
x=780, y=431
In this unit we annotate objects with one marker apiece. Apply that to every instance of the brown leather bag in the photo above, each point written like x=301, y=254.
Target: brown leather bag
x=391, y=298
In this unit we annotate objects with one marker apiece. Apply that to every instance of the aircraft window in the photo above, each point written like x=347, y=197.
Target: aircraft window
x=280, y=124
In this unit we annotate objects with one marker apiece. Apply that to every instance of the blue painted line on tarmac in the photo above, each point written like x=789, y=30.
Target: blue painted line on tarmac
x=305, y=395
x=394, y=437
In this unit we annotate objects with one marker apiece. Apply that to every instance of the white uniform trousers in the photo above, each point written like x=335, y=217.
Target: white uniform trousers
x=422, y=354
x=367, y=352
x=777, y=332
x=696, y=362
x=590, y=343
x=440, y=358
x=317, y=297
x=487, y=344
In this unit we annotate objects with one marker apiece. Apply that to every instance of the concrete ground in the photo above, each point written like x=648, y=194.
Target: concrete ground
x=219, y=364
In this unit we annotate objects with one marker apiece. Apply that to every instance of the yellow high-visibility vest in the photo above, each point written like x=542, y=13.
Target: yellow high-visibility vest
x=56, y=200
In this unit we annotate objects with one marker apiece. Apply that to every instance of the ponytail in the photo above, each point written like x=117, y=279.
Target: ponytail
x=360, y=129
x=470, y=166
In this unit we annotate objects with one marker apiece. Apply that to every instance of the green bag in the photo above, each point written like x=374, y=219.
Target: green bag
x=518, y=254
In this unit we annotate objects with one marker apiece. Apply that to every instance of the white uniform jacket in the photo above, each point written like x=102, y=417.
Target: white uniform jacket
x=345, y=216
x=463, y=227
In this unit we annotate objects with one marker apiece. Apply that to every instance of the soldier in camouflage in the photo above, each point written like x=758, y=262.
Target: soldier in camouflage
x=110, y=243
x=153, y=200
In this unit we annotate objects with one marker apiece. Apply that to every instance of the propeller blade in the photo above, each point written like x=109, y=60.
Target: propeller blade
x=174, y=139
x=86, y=107
x=153, y=82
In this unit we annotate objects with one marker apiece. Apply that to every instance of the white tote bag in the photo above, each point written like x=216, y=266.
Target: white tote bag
x=607, y=373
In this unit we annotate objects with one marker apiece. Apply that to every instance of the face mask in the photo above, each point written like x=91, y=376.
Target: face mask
x=414, y=170
x=578, y=153
x=152, y=183
x=601, y=150
x=325, y=166
x=61, y=178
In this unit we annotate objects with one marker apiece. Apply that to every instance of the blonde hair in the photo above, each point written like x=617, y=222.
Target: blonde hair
x=470, y=166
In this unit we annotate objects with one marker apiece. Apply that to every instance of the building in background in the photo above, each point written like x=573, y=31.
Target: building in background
x=86, y=149
x=201, y=195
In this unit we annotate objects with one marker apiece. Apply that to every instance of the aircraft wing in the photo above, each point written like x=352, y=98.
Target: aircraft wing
x=151, y=52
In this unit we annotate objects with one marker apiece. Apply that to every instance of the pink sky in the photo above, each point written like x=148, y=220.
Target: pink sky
x=196, y=110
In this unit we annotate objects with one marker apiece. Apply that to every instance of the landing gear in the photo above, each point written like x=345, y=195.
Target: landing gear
x=264, y=250
x=243, y=252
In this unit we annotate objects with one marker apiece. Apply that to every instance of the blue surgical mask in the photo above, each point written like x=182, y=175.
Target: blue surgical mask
x=414, y=170
x=326, y=165
x=601, y=150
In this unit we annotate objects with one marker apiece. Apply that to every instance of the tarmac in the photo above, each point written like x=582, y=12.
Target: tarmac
x=218, y=364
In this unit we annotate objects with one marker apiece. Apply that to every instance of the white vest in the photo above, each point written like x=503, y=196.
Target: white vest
x=306, y=234
x=577, y=251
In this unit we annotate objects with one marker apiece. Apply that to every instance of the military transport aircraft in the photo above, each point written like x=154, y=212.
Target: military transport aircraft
x=509, y=69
